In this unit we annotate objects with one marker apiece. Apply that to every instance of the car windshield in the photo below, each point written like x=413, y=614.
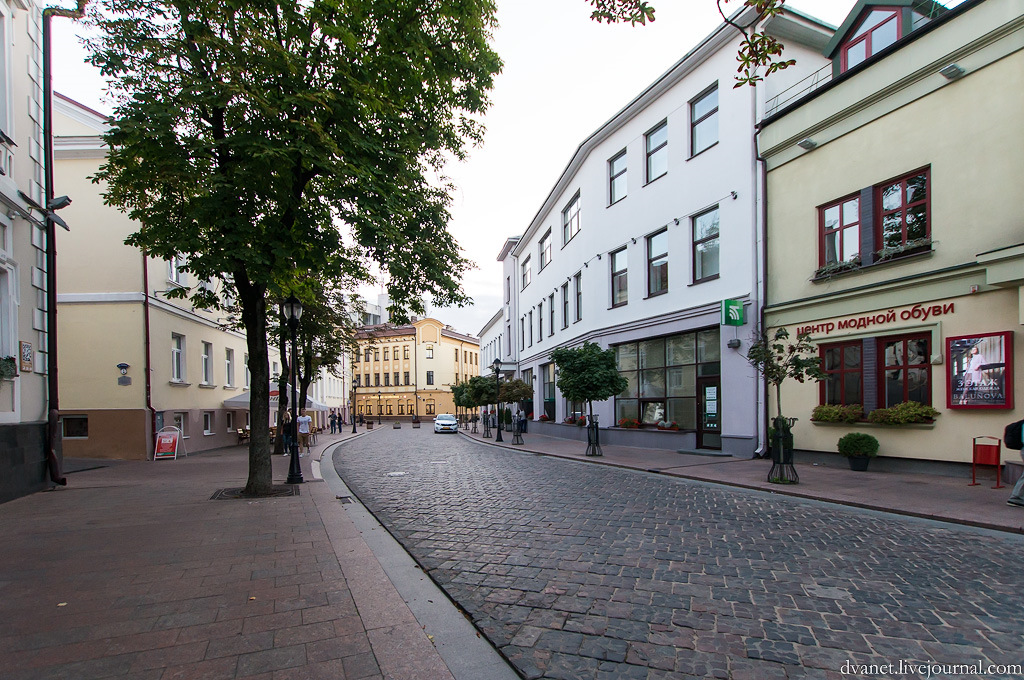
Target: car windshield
x=445, y=419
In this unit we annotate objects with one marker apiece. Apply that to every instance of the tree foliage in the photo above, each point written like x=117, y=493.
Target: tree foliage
x=272, y=143
x=515, y=390
x=758, y=50
x=482, y=390
x=776, y=359
x=588, y=374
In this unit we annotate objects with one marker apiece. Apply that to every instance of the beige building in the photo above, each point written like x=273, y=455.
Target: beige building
x=405, y=371
x=133, y=361
x=891, y=236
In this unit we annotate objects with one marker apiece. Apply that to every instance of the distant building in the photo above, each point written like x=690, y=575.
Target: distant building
x=408, y=370
x=891, y=236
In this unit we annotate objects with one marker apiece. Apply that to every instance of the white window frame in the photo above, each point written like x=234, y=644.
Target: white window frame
x=181, y=422
x=248, y=376
x=207, y=363
x=174, y=272
x=229, y=367
x=527, y=272
x=208, y=422
x=178, y=363
x=229, y=421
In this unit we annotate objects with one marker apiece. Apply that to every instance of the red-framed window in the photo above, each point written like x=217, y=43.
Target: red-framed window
x=843, y=364
x=905, y=370
x=880, y=28
x=839, y=224
x=903, y=205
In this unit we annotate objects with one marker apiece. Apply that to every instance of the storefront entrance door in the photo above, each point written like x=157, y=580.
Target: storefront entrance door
x=709, y=413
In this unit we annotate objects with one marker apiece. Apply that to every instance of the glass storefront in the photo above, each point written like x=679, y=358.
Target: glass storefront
x=662, y=376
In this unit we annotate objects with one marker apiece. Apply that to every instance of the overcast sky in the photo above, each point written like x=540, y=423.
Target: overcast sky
x=564, y=76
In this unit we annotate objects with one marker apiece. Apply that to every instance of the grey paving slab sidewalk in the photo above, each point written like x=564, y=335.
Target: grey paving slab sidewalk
x=930, y=496
x=132, y=571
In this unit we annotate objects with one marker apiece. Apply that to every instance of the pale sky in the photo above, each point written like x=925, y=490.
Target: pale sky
x=564, y=77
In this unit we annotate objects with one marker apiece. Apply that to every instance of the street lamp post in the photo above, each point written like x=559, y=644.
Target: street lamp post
x=378, y=407
x=293, y=312
x=497, y=367
x=352, y=411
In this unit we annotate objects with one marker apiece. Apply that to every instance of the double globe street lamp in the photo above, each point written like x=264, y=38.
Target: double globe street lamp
x=292, y=309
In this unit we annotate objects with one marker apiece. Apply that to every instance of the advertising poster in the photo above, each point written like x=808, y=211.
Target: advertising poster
x=166, y=446
x=980, y=371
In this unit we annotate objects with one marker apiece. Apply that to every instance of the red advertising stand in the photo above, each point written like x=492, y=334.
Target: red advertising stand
x=167, y=442
x=987, y=451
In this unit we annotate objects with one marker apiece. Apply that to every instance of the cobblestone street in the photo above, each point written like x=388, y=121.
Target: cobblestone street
x=575, y=570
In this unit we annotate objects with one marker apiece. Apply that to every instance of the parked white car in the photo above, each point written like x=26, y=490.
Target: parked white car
x=446, y=423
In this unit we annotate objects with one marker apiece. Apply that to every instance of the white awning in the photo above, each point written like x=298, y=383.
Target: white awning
x=241, y=401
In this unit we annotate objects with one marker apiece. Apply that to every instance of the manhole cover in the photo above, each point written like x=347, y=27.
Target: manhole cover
x=279, y=491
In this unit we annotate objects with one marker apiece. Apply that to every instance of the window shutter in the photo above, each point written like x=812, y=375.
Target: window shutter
x=867, y=226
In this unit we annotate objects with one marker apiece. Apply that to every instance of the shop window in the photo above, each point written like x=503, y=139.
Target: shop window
x=661, y=376
x=843, y=364
x=905, y=367
x=430, y=407
x=547, y=389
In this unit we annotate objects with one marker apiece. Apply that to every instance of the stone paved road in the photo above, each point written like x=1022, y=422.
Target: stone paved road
x=575, y=570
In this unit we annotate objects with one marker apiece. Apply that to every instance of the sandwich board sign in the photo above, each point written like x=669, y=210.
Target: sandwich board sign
x=167, y=442
x=732, y=313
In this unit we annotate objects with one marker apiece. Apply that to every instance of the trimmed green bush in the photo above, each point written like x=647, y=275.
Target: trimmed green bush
x=837, y=413
x=902, y=414
x=857, y=444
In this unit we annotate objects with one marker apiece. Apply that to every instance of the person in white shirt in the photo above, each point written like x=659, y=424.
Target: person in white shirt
x=303, y=421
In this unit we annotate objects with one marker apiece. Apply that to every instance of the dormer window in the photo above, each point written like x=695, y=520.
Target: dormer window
x=879, y=29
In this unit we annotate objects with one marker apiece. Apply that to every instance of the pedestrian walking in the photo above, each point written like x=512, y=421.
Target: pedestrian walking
x=304, y=422
x=287, y=432
x=334, y=422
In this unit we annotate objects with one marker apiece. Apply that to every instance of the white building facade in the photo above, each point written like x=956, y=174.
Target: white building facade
x=652, y=225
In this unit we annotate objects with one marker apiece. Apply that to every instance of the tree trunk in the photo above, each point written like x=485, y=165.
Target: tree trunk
x=254, y=318
x=283, y=392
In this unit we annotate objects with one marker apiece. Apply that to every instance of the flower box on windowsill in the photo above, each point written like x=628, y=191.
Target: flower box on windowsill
x=884, y=257
x=865, y=423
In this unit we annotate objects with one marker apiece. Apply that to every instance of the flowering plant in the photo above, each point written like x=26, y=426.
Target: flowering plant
x=543, y=416
x=667, y=425
x=581, y=421
x=629, y=422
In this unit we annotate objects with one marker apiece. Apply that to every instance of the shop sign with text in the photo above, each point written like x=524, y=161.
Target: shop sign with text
x=865, y=321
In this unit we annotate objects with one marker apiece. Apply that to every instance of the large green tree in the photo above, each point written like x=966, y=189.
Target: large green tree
x=588, y=374
x=274, y=141
x=758, y=50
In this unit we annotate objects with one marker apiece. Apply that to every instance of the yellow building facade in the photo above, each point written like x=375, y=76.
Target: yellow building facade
x=890, y=236
x=404, y=371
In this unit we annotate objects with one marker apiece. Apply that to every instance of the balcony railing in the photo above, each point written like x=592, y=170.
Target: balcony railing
x=799, y=89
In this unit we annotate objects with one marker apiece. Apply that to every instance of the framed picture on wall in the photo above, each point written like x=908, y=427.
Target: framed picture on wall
x=979, y=371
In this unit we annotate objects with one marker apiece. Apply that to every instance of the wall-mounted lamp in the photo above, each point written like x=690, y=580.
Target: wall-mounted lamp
x=676, y=221
x=952, y=72
x=807, y=143
x=733, y=344
x=734, y=195
x=599, y=256
x=633, y=240
x=123, y=367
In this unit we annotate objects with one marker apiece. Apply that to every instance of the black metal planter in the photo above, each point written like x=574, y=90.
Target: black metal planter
x=782, y=471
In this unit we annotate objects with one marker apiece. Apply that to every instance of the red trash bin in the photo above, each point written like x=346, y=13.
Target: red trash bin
x=987, y=453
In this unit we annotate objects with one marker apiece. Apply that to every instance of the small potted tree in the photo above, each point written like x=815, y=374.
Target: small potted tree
x=776, y=359
x=859, y=448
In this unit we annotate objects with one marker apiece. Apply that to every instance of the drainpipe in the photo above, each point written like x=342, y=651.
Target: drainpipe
x=52, y=395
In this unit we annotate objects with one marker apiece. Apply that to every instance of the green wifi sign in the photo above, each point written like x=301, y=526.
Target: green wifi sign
x=732, y=313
